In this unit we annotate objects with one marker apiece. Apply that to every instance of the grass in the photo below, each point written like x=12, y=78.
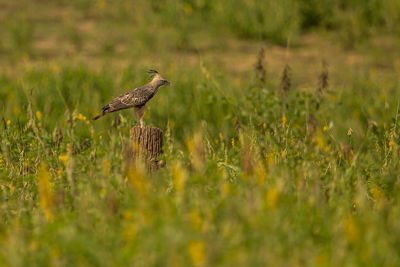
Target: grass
x=286, y=156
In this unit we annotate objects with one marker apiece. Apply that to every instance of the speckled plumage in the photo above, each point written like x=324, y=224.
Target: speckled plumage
x=136, y=98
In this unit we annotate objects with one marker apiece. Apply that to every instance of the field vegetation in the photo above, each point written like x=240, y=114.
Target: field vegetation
x=281, y=133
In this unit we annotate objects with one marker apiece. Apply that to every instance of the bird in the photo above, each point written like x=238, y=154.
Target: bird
x=136, y=98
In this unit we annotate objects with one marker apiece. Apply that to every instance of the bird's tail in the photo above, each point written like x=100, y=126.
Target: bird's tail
x=105, y=111
x=99, y=116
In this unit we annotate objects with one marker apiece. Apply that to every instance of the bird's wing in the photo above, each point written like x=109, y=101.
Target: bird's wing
x=136, y=97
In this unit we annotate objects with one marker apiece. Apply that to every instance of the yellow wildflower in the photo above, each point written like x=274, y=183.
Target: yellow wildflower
x=105, y=167
x=227, y=229
x=272, y=198
x=190, y=145
x=195, y=220
x=179, y=178
x=38, y=115
x=261, y=174
x=137, y=177
x=233, y=142
x=81, y=117
x=284, y=120
x=377, y=148
x=325, y=128
x=376, y=192
x=12, y=188
x=351, y=230
x=225, y=188
x=351, y=155
x=221, y=137
x=45, y=192
x=197, y=153
x=320, y=141
x=129, y=230
x=196, y=252
x=128, y=215
x=356, y=203
x=8, y=122
x=390, y=144
x=63, y=158
x=378, y=195
x=270, y=159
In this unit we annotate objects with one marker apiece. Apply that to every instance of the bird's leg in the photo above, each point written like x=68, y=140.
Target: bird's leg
x=139, y=112
x=136, y=114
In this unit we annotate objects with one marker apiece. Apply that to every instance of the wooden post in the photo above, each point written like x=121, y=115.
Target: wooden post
x=146, y=144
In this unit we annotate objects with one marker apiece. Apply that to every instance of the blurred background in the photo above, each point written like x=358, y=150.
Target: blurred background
x=101, y=48
x=172, y=33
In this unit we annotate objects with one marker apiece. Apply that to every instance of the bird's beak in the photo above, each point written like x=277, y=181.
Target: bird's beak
x=168, y=83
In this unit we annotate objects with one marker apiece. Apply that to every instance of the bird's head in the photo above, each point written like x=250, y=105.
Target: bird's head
x=158, y=79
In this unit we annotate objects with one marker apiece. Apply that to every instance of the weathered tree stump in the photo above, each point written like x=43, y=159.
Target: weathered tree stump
x=146, y=145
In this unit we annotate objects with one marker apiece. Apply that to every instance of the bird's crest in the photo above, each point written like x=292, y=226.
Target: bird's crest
x=153, y=73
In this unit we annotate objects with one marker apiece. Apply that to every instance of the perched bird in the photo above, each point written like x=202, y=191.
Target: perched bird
x=136, y=98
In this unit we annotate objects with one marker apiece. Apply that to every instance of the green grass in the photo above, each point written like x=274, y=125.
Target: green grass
x=254, y=175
